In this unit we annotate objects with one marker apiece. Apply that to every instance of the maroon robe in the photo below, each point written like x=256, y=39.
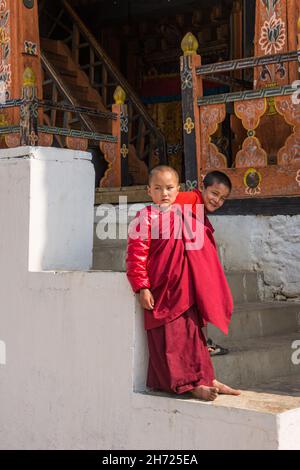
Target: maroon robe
x=179, y=278
x=189, y=289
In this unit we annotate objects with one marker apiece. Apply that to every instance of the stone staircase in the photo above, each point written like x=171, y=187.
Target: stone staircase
x=261, y=333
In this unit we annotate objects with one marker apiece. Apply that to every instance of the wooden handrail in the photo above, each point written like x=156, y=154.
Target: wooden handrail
x=247, y=63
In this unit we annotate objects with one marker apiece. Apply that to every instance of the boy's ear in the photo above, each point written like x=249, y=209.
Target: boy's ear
x=148, y=189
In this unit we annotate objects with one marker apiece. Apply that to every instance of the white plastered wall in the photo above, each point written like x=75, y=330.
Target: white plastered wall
x=75, y=352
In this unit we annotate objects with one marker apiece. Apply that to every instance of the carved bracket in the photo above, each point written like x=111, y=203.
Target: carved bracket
x=210, y=118
x=109, y=151
x=289, y=154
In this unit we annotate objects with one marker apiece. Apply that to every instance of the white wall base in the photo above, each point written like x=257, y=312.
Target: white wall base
x=72, y=343
x=269, y=244
x=61, y=205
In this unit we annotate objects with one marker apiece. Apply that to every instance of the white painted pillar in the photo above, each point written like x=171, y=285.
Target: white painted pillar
x=61, y=206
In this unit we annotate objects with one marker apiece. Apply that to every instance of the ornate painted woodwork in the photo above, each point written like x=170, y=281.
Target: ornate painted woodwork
x=210, y=118
x=289, y=154
x=76, y=143
x=19, y=49
x=191, y=88
x=275, y=32
x=252, y=153
x=111, y=177
x=252, y=174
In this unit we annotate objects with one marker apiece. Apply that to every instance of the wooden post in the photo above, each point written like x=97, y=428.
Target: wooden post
x=298, y=46
x=119, y=97
x=237, y=34
x=275, y=32
x=20, y=49
x=191, y=89
x=29, y=110
x=116, y=154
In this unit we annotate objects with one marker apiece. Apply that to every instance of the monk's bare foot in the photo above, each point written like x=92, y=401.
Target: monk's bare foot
x=224, y=389
x=205, y=393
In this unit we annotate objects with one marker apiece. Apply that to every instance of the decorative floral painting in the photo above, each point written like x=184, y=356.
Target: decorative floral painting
x=5, y=70
x=271, y=38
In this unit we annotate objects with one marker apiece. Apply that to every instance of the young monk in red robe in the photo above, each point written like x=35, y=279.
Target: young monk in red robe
x=181, y=287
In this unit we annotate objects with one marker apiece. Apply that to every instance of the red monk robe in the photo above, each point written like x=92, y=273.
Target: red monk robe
x=189, y=287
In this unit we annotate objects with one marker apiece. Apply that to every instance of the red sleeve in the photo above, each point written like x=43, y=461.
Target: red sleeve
x=137, y=253
x=193, y=197
x=189, y=197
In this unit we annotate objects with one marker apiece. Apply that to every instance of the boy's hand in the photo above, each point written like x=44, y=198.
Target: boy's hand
x=146, y=299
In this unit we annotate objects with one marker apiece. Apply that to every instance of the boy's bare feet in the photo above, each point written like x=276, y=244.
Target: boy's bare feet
x=224, y=389
x=205, y=393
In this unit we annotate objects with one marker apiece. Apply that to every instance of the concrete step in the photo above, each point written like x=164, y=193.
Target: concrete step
x=244, y=285
x=259, y=319
x=284, y=386
x=255, y=420
x=110, y=255
x=257, y=361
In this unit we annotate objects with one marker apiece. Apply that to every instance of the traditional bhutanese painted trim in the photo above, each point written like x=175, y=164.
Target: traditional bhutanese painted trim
x=298, y=177
x=30, y=48
x=246, y=95
x=186, y=79
x=123, y=122
x=61, y=107
x=172, y=149
x=9, y=129
x=33, y=138
x=77, y=109
x=253, y=189
x=268, y=29
x=189, y=125
x=28, y=3
x=124, y=151
x=77, y=133
x=5, y=66
x=247, y=63
x=11, y=103
x=191, y=185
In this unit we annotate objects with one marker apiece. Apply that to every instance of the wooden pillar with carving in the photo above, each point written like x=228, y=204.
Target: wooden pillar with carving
x=191, y=89
x=275, y=32
x=237, y=34
x=19, y=51
x=116, y=153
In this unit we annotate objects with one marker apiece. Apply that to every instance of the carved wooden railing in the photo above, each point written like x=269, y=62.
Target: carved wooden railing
x=143, y=134
x=58, y=114
x=251, y=169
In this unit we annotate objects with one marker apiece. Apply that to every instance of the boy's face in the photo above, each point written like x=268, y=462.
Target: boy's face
x=214, y=196
x=163, y=188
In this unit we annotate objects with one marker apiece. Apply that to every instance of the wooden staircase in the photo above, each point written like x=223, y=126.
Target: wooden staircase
x=91, y=82
x=75, y=82
x=80, y=93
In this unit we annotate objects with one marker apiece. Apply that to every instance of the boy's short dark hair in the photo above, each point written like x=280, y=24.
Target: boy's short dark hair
x=162, y=168
x=217, y=177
